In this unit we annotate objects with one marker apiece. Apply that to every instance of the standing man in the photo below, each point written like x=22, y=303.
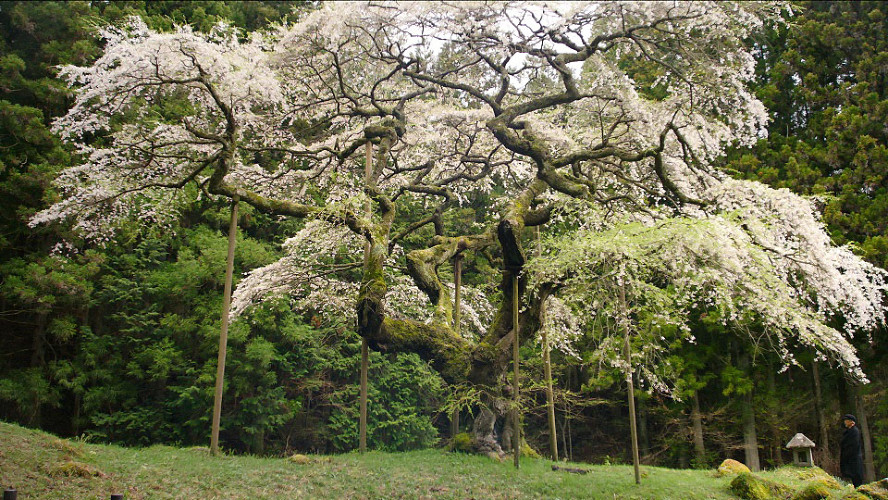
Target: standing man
x=851, y=458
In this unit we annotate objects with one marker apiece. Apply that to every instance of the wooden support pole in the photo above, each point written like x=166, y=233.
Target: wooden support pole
x=223, y=334
x=365, y=365
x=457, y=298
x=628, y=357
x=550, y=398
x=547, y=367
x=365, y=349
x=516, y=414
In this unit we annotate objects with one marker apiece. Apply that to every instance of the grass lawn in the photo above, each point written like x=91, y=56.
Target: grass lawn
x=42, y=466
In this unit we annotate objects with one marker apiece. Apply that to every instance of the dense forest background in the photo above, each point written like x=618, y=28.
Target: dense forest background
x=119, y=343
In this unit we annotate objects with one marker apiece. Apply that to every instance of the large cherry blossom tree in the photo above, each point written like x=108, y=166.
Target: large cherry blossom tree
x=622, y=105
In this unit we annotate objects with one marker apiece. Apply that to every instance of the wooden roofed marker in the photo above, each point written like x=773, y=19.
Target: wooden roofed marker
x=801, y=447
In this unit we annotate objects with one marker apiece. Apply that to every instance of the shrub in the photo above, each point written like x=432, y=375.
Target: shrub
x=462, y=442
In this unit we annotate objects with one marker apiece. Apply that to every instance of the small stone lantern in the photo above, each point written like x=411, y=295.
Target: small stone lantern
x=801, y=448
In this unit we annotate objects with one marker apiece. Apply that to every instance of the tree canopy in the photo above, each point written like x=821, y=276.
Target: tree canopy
x=460, y=125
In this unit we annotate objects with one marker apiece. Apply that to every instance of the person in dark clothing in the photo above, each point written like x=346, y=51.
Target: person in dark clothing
x=851, y=457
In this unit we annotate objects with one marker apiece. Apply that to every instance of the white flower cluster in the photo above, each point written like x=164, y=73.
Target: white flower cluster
x=763, y=256
x=561, y=326
x=313, y=274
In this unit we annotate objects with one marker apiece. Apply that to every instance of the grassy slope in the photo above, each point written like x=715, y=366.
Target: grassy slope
x=39, y=465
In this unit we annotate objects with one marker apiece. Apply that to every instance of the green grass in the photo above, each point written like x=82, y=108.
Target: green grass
x=42, y=466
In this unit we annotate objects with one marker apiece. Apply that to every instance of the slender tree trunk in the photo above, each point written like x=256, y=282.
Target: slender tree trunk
x=516, y=416
x=570, y=443
x=568, y=435
x=644, y=440
x=697, y=426
x=260, y=443
x=223, y=334
x=365, y=348
x=826, y=461
x=750, y=440
x=773, y=424
x=457, y=294
x=38, y=350
x=626, y=354
x=78, y=402
x=869, y=470
x=550, y=398
x=38, y=360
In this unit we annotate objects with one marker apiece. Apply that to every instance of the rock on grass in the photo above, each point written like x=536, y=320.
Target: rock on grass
x=731, y=467
x=815, y=490
x=751, y=487
x=299, y=459
x=71, y=468
x=877, y=490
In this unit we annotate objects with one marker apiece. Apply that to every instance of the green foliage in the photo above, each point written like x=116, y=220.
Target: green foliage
x=527, y=451
x=462, y=442
x=828, y=101
x=403, y=393
x=28, y=390
x=203, y=16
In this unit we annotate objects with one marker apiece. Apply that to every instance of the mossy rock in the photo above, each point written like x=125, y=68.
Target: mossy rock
x=71, y=468
x=877, y=490
x=751, y=487
x=809, y=473
x=731, y=467
x=827, y=481
x=67, y=447
x=854, y=495
x=462, y=442
x=527, y=451
x=296, y=458
x=815, y=490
